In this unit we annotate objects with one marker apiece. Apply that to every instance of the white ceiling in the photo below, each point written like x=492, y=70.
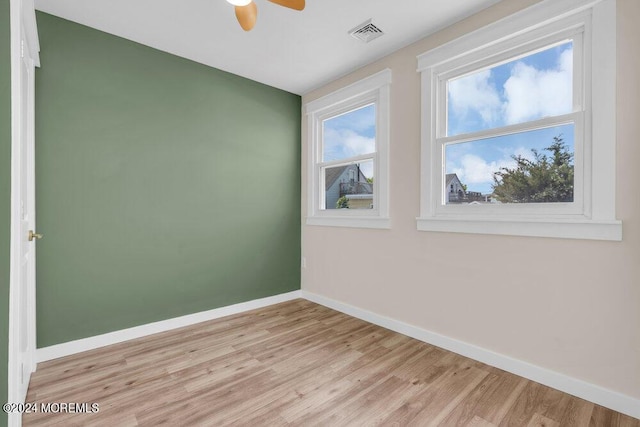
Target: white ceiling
x=294, y=51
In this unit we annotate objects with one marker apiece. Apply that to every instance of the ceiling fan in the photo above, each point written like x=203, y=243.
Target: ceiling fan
x=247, y=11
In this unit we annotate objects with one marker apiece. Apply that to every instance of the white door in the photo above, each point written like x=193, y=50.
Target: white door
x=23, y=239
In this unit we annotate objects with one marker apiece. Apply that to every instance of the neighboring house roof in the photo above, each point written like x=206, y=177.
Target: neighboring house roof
x=332, y=174
x=450, y=177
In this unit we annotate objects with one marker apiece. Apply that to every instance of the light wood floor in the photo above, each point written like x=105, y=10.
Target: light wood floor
x=297, y=363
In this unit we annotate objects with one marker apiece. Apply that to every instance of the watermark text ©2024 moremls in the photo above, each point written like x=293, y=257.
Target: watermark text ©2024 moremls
x=52, y=407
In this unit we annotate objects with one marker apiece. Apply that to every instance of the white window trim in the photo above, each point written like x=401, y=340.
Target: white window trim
x=373, y=89
x=596, y=217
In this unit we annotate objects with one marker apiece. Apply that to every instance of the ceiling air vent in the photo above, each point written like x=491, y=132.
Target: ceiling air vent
x=366, y=32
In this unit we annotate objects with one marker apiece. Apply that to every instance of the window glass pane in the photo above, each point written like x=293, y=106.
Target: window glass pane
x=529, y=88
x=349, y=186
x=528, y=167
x=350, y=134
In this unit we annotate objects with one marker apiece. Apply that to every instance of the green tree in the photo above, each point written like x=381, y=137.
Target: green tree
x=543, y=179
x=342, y=203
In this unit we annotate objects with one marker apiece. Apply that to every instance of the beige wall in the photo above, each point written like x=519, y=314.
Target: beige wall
x=572, y=306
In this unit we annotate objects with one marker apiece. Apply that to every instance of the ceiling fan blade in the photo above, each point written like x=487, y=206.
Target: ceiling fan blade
x=247, y=15
x=291, y=4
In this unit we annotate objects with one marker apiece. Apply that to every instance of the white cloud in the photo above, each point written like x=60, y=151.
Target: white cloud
x=519, y=151
x=528, y=94
x=475, y=93
x=531, y=93
x=475, y=170
x=343, y=143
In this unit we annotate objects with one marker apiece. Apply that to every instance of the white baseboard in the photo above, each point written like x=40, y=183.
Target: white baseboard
x=593, y=393
x=85, y=344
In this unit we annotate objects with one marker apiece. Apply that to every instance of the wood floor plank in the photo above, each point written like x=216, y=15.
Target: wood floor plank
x=448, y=395
x=320, y=395
x=372, y=407
x=296, y=363
x=539, y=420
x=439, y=396
x=554, y=403
x=309, y=369
x=606, y=417
x=477, y=421
x=490, y=400
x=525, y=406
x=577, y=413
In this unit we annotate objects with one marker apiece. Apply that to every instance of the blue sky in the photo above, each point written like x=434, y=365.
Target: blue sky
x=529, y=88
x=351, y=134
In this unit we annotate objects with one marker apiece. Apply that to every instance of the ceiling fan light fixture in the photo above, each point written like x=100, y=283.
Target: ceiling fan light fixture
x=239, y=2
x=247, y=11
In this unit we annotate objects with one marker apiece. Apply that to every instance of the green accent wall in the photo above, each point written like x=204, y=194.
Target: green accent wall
x=5, y=196
x=164, y=187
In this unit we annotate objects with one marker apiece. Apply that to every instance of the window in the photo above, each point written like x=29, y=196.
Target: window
x=519, y=127
x=348, y=159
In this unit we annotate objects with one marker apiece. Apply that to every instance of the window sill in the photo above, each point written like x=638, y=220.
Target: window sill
x=353, y=222
x=564, y=229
